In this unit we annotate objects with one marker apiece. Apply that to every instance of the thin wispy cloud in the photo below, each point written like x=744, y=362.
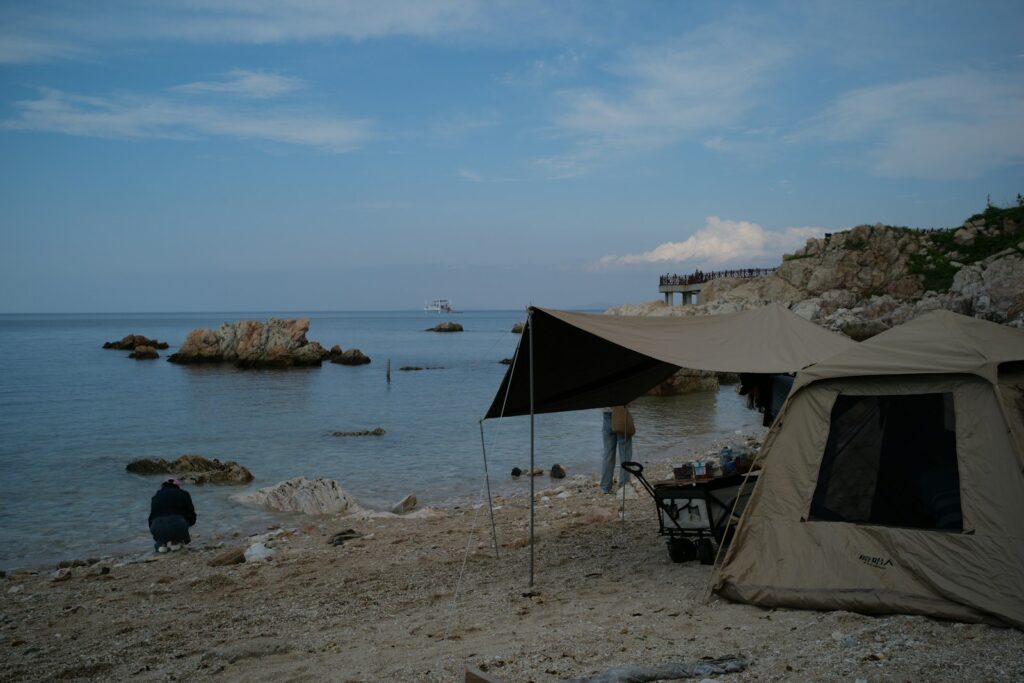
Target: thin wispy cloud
x=720, y=241
x=270, y=22
x=138, y=117
x=471, y=175
x=255, y=84
x=25, y=49
x=706, y=81
x=541, y=72
x=954, y=126
x=68, y=29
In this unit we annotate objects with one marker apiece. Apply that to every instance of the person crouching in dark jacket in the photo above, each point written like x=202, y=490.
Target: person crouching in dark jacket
x=170, y=515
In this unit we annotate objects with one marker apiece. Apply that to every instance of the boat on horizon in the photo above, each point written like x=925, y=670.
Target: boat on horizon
x=438, y=306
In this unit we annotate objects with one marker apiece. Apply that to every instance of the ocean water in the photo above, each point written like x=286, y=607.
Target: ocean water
x=72, y=415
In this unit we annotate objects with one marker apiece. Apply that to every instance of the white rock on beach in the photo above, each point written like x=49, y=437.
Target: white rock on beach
x=405, y=505
x=308, y=496
x=257, y=552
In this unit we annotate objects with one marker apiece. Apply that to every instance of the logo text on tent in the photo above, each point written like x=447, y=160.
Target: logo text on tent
x=879, y=562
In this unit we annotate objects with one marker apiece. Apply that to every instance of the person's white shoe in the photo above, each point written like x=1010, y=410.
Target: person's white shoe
x=162, y=549
x=174, y=546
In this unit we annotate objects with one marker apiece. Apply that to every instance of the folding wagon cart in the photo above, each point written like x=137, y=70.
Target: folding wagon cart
x=693, y=512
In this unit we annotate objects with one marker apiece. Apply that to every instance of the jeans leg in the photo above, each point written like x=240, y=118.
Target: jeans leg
x=608, y=461
x=625, y=455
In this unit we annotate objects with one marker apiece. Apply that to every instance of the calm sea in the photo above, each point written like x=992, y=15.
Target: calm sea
x=73, y=414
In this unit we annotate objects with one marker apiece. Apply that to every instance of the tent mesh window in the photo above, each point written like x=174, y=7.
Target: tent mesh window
x=891, y=461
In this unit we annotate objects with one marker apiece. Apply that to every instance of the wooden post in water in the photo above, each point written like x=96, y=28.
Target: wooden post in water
x=389, y=371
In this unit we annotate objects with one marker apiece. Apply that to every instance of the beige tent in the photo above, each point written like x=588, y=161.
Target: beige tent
x=586, y=360
x=894, y=480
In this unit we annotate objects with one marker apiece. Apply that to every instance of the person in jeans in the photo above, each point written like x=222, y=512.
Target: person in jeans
x=170, y=515
x=621, y=442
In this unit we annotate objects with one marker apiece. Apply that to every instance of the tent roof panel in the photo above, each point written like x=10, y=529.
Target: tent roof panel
x=586, y=360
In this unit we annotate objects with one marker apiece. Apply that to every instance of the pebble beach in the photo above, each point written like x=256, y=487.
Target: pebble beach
x=419, y=597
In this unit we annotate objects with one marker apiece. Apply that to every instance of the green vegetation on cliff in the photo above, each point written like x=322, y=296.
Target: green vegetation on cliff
x=945, y=252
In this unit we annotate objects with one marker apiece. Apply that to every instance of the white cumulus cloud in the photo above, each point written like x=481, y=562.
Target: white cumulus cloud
x=720, y=241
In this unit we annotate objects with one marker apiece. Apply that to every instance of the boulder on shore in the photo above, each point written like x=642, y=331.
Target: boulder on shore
x=228, y=557
x=308, y=496
x=445, y=327
x=518, y=328
x=405, y=505
x=349, y=357
x=252, y=344
x=194, y=469
x=144, y=353
x=132, y=341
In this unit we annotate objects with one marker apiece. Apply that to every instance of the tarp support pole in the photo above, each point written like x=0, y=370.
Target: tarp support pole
x=529, y=326
x=490, y=503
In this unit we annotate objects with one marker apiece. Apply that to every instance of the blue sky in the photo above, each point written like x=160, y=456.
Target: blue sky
x=314, y=155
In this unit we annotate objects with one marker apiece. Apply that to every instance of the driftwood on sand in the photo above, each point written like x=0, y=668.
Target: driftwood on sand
x=632, y=673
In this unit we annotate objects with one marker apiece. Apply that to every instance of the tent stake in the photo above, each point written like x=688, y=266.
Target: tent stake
x=487, y=478
x=529, y=325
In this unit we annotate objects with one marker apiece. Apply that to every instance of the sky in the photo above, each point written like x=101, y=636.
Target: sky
x=222, y=155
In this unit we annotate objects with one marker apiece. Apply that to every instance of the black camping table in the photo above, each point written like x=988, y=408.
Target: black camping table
x=693, y=512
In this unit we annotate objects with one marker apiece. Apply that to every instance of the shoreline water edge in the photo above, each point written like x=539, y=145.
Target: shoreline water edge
x=70, y=428
x=428, y=594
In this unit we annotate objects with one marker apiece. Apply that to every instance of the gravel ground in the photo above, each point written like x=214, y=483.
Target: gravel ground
x=417, y=599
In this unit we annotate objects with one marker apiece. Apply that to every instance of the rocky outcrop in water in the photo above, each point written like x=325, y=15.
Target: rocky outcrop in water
x=445, y=327
x=308, y=496
x=132, y=341
x=863, y=281
x=252, y=344
x=686, y=381
x=349, y=357
x=144, y=353
x=194, y=469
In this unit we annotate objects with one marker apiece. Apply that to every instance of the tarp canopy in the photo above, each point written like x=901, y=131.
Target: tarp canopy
x=586, y=360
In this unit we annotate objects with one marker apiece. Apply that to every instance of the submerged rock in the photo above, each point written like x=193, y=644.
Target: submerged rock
x=308, y=496
x=378, y=431
x=445, y=327
x=133, y=341
x=557, y=471
x=252, y=344
x=194, y=469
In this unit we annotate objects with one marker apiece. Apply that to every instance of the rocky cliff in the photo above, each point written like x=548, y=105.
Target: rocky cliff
x=252, y=344
x=867, y=279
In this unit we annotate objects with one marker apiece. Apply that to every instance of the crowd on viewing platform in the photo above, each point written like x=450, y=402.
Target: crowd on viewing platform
x=699, y=276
